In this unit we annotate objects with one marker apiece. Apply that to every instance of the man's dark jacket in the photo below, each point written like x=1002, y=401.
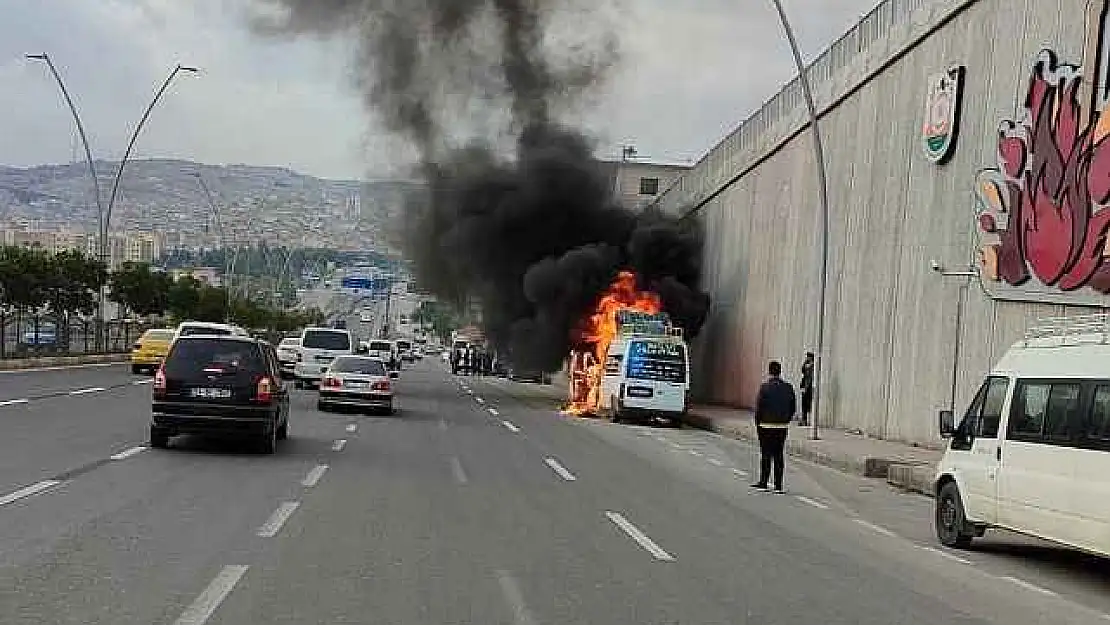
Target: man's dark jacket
x=776, y=402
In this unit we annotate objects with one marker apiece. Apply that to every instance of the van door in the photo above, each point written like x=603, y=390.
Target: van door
x=1091, y=528
x=1037, y=474
x=977, y=437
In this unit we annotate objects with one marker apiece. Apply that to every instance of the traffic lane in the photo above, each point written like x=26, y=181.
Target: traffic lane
x=441, y=515
x=46, y=438
x=134, y=540
x=29, y=384
x=708, y=511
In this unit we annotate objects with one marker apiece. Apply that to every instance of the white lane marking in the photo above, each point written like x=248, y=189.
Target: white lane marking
x=812, y=502
x=141, y=382
x=314, y=476
x=352, y=427
x=641, y=538
x=85, y=391
x=1028, y=586
x=512, y=428
x=493, y=411
x=515, y=599
x=716, y=463
x=479, y=400
x=645, y=433
x=740, y=472
x=677, y=446
x=945, y=554
x=127, y=453
x=457, y=470
x=443, y=424
x=694, y=452
x=13, y=402
x=469, y=392
x=875, y=528
x=559, y=469
x=209, y=600
x=339, y=444
x=273, y=524
x=27, y=491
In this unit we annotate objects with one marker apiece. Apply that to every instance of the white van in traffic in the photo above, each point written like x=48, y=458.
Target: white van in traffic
x=1032, y=452
x=646, y=372
x=320, y=346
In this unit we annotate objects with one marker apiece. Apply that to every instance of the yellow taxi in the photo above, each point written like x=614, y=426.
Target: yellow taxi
x=147, y=353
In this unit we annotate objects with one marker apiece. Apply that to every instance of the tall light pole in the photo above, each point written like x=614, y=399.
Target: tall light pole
x=823, y=190
x=223, y=240
x=45, y=58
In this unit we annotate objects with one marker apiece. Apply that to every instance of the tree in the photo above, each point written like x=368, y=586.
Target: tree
x=140, y=290
x=22, y=273
x=70, y=281
x=183, y=297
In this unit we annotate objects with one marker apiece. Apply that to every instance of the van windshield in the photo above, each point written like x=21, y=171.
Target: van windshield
x=657, y=361
x=326, y=339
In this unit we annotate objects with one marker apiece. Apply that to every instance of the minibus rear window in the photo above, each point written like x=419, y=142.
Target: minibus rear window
x=657, y=361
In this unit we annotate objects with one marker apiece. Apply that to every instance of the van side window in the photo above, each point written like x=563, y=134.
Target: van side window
x=991, y=417
x=1045, y=411
x=1098, y=421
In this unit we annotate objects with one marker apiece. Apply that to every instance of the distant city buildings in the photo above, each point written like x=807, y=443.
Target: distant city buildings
x=139, y=246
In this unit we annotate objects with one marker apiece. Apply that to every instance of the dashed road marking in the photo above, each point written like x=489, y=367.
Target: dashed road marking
x=141, y=382
x=694, y=452
x=715, y=462
x=352, y=427
x=443, y=424
x=314, y=476
x=208, y=601
x=740, y=472
x=28, y=491
x=946, y=555
x=14, y=402
x=479, y=400
x=1028, y=586
x=127, y=453
x=86, y=391
x=515, y=599
x=559, y=469
x=812, y=502
x=95, y=365
x=493, y=411
x=469, y=392
x=641, y=538
x=512, y=428
x=339, y=444
x=273, y=525
x=457, y=470
x=875, y=528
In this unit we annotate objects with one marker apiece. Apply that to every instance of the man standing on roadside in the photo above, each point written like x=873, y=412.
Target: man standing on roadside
x=807, y=388
x=774, y=409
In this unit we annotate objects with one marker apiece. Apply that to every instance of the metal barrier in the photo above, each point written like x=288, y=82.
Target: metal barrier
x=25, y=336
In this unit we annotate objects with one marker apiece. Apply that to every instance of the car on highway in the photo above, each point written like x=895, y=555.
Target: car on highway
x=404, y=350
x=357, y=382
x=319, y=347
x=382, y=350
x=148, y=352
x=366, y=316
x=226, y=386
x=288, y=351
x=194, y=328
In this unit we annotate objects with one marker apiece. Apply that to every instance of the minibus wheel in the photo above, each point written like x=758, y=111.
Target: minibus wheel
x=952, y=527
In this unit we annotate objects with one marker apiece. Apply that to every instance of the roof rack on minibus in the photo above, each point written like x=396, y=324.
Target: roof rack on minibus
x=1089, y=328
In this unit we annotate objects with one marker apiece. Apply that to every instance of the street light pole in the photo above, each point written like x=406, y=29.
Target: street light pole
x=823, y=190
x=223, y=241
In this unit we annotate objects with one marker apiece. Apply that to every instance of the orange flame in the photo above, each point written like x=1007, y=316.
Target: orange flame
x=599, y=330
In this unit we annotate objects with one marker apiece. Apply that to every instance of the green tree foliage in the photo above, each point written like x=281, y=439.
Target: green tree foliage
x=140, y=290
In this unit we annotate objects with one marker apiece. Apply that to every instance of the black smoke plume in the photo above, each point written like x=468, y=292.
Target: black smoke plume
x=536, y=236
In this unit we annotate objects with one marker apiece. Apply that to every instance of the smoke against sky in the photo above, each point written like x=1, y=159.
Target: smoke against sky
x=534, y=235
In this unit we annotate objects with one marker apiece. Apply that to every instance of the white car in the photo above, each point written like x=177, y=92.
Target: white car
x=319, y=347
x=357, y=382
x=193, y=328
x=288, y=351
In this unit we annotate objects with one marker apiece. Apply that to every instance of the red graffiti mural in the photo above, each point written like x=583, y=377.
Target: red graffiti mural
x=1044, y=210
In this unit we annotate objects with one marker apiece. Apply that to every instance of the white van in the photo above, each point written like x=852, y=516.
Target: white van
x=191, y=328
x=646, y=374
x=1032, y=452
x=319, y=346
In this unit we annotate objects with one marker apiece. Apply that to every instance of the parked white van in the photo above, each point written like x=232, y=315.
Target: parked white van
x=1032, y=452
x=320, y=346
x=646, y=372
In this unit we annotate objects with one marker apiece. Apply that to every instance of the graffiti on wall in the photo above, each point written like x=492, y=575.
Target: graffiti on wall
x=1044, y=211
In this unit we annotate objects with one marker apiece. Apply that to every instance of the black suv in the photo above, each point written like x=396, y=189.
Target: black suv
x=220, y=385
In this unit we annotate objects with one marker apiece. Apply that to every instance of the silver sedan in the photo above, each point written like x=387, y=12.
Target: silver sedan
x=357, y=382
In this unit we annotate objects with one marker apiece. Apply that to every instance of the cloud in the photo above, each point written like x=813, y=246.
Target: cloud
x=691, y=71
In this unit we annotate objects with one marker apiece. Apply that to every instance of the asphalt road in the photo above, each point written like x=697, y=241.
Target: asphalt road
x=476, y=503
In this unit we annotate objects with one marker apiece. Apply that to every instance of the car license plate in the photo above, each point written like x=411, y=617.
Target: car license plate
x=353, y=384
x=211, y=393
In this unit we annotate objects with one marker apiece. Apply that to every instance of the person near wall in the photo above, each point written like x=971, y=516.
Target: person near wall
x=807, y=387
x=774, y=409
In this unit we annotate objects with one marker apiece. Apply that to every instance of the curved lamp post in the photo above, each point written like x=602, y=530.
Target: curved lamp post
x=223, y=239
x=823, y=189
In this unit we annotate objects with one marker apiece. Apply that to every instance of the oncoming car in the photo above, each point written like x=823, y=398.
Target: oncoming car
x=357, y=382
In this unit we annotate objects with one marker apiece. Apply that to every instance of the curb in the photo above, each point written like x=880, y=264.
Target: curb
x=916, y=478
x=16, y=364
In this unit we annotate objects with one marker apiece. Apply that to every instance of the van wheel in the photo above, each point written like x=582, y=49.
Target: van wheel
x=952, y=527
x=159, y=437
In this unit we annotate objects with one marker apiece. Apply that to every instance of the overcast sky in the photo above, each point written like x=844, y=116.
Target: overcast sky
x=691, y=71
